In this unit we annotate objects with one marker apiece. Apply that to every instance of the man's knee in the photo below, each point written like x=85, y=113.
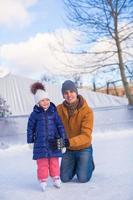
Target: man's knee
x=84, y=179
x=65, y=179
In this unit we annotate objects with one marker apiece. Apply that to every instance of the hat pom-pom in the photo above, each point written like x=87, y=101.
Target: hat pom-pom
x=37, y=86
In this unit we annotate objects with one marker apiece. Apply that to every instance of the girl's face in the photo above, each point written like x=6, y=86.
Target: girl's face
x=44, y=103
x=70, y=96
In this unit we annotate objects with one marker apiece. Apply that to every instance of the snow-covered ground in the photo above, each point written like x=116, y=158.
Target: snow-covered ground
x=112, y=178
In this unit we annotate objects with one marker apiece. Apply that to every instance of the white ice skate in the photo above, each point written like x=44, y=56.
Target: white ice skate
x=57, y=182
x=43, y=185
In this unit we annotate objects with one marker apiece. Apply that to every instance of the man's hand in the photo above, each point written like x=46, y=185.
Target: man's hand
x=59, y=143
x=66, y=143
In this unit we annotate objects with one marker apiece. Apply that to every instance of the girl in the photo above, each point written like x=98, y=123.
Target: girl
x=43, y=129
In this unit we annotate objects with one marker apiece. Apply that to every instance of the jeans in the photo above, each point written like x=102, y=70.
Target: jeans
x=77, y=162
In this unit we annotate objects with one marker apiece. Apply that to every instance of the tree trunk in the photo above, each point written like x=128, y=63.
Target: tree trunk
x=123, y=75
x=120, y=62
x=107, y=90
x=94, y=86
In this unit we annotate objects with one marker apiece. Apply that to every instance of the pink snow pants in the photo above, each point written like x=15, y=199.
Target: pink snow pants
x=46, y=167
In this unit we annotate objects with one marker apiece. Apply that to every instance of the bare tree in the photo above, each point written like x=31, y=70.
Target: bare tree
x=77, y=79
x=130, y=72
x=106, y=18
x=46, y=78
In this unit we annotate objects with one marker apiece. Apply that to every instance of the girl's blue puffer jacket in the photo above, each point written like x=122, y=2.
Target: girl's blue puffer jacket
x=42, y=126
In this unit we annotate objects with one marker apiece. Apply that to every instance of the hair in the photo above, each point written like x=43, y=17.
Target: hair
x=36, y=86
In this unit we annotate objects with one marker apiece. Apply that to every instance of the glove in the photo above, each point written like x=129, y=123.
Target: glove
x=66, y=143
x=30, y=146
x=53, y=143
x=62, y=143
x=58, y=143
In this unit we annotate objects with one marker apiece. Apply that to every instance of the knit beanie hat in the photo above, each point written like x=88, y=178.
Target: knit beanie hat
x=39, y=92
x=69, y=85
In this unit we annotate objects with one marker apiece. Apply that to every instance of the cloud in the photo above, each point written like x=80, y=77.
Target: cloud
x=40, y=54
x=47, y=53
x=3, y=71
x=15, y=12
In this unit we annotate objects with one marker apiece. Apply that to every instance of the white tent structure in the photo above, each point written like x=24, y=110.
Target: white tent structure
x=16, y=91
x=110, y=112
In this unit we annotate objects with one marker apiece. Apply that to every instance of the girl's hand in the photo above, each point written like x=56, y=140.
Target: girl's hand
x=30, y=146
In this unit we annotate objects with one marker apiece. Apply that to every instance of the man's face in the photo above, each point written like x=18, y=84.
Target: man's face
x=70, y=96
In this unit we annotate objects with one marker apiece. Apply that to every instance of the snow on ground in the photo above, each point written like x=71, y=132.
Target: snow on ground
x=112, y=178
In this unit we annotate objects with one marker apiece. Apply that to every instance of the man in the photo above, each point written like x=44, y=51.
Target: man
x=77, y=118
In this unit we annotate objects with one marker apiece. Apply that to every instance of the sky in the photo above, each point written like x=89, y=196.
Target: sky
x=29, y=35
x=35, y=40
x=22, y=19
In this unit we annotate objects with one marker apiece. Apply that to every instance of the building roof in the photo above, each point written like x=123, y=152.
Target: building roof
x=16, y=91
